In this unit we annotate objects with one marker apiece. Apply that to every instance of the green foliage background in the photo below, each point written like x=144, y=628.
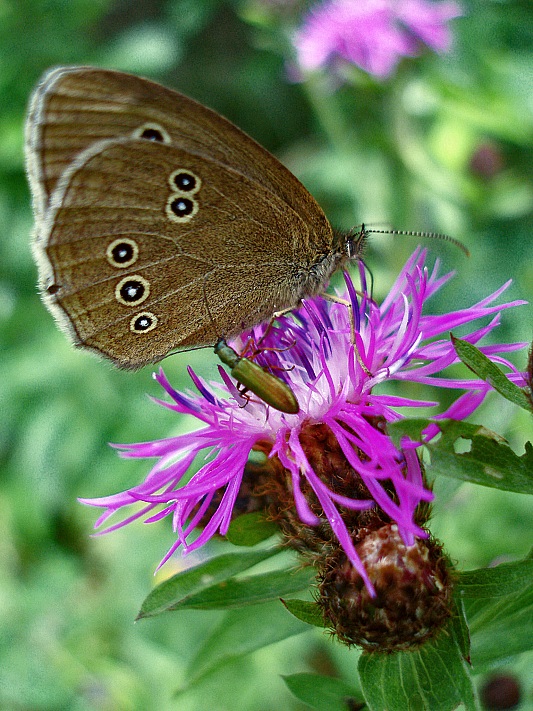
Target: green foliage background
x=398, y=152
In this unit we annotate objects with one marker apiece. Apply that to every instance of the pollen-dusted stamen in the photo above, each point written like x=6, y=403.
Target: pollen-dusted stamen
x=333, y=473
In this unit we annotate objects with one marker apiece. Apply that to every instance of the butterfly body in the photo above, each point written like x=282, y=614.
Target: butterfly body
x=159, y=224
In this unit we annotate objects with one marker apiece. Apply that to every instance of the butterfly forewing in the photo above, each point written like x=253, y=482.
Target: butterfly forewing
x=159, y=224
x=74, y=107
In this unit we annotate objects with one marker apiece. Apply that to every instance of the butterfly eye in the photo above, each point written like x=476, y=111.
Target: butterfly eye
x=183, y=180
x=143, y=322
x=152, y=132
x=122, y=252
x=132, y=290
x=181, y=209
x=52, y=289
x=183, y=183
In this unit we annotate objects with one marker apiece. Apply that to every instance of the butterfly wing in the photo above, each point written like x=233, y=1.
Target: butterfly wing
x=147, y=247
x=74, y=107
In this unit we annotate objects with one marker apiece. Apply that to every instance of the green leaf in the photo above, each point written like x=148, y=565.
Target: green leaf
x=499, y=608
x=459, y=627
x=412, y=428
x=503, y=579
x=501, y=627
x=482, y=366
x=169, y=594
x=251, y=590
x=305, y=611
x=434, y=678
x=323, y=693
x=242, y=632
x=488, y=459
x=250, y=529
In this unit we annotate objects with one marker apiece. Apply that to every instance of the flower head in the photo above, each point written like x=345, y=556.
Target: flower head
x=374, y=34
x=335, y=456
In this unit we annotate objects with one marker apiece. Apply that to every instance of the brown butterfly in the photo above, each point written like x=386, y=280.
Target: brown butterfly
x=160, y=225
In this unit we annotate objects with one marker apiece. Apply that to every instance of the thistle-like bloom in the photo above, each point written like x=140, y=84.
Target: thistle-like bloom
x=338, y=362
x=373, y=34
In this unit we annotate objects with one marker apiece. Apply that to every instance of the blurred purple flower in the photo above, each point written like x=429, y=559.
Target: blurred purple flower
x=336, y=385
x=374, y=34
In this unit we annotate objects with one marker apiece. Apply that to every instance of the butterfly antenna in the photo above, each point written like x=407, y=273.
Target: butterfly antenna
x=410, y=233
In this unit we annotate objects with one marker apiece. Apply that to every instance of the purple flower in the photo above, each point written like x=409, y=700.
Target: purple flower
x=374, y=34
x=340, y=386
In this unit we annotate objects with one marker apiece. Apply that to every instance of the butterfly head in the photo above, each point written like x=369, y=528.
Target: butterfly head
x=351, y=244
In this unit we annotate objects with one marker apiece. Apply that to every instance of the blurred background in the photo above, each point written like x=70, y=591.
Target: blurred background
x=444, y=144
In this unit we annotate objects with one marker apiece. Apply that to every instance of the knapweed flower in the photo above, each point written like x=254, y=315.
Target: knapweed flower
x=373, y=34
x=333, y=462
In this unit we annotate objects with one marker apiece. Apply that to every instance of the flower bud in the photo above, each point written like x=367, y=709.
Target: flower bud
x=413, y=592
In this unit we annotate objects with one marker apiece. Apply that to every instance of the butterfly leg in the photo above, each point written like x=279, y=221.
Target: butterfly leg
x=337, y=300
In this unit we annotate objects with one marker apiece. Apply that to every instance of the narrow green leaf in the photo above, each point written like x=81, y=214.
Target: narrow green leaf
x=482, y=366
x=305, y=611
x=242, y=632
x=250, y=529
x=168, y=595
x=434, y=678
x=459, y=627
x=488, y=459
x=250, y=590
x=323, y=693
x=503, y=579
x=502, y=626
